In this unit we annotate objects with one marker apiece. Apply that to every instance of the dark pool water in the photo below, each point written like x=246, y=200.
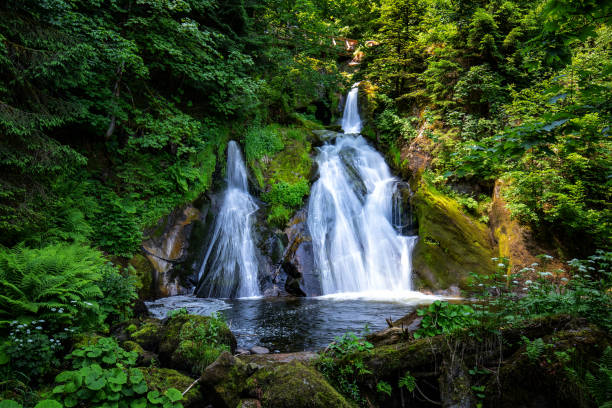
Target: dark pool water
x=294, y=324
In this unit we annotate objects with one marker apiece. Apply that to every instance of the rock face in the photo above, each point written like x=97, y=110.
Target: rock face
x=298, y=259
x=451, y=244
x=166, y=246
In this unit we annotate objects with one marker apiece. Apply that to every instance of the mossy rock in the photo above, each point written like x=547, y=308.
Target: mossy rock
x=161, y=379
x=294, y=385
x=223, y=381
x=149, y=334
x=145, y=357
x=451, y=243
x=143, y=270
x=182, y=345
x=86, y=339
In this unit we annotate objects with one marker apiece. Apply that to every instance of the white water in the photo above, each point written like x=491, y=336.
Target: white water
x=351, y=122
x=350, y=217
x=230, y=264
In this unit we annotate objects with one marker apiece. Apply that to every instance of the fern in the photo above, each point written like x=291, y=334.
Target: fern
x=600, y=383
x=57, y=283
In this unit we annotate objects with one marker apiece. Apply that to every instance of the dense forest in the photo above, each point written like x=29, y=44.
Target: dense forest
x=115, y=115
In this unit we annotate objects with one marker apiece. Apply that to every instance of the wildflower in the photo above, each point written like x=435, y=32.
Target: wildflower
x=53, y=309
x=533, y=265
x=61, y=310
x=525, y=288
x=547, y=257
x=29, y=340
x=564, y=279
x=494, y=259
x=528, y=282
x=38, y=328
x=480, y=284
x=501, y=265
x=515, y=282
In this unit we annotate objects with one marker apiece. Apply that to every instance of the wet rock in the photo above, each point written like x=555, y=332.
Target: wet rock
x=391, y=335
x=323, y=135
x=259, y=350
x=161, y=379
x=166, y=246
x=298, y=261
x=241, y=352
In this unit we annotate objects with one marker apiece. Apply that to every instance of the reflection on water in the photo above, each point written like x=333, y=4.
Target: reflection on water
x=292, y=324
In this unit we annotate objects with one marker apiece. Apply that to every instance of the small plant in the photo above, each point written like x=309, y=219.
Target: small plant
x=407, y=381
x=342, y=364
x=106, y=352
x=600, y=383
x=384, y=387
x=443, y=317
x=177, y=312
x=534, y=348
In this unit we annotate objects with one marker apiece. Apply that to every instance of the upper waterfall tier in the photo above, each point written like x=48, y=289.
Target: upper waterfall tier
x=351, y=121
x=230, y=264
x=357, y=248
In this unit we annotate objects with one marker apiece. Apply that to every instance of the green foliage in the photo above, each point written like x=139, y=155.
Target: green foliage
x=443, y=317
x=534, y=348
x=203, y=343
x=384, y=388
x=105, y=352
x=407, y=381
x=342, y=364
x=177, y=312
x=586, y=293
x=262, y=141
x=600, y=383
x=103, y=374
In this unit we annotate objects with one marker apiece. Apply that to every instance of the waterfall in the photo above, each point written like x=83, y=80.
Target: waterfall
x=351, y=122
x=230, y=264
x=351, y=217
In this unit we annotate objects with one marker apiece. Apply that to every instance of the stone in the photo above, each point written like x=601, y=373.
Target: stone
x=223, y=381
x=259, y=350
x=241, y=352
x=293, y=385
x=145, y=358
x=181, y=346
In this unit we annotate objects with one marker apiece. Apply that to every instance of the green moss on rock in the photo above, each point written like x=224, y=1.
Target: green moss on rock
x=188, y=343
x=143, y=270
x=161, y=379
x=451, y=243
x=149, y=334
x=294, y=385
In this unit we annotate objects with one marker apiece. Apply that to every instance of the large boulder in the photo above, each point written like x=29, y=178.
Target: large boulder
x=224, y=380
x=293, y=385
x=451, y=243
x=190, y=342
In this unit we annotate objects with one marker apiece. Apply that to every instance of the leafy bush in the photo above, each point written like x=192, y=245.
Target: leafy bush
x=103, y=375
x=262, y=141
x=443, y=318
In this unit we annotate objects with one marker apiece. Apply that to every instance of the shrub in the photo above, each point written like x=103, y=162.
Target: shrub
x=443, y=317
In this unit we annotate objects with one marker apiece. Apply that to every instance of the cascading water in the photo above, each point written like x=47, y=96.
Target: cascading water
x=230, y=264
x=351, y=121
x=351, y=217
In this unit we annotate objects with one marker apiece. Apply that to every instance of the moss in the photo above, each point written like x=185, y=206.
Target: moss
x=86, y=339
x=141, y=268
x=149, y=334
x=294, y=385
x=161, y=379
x=184, y=345
x=451, y=245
